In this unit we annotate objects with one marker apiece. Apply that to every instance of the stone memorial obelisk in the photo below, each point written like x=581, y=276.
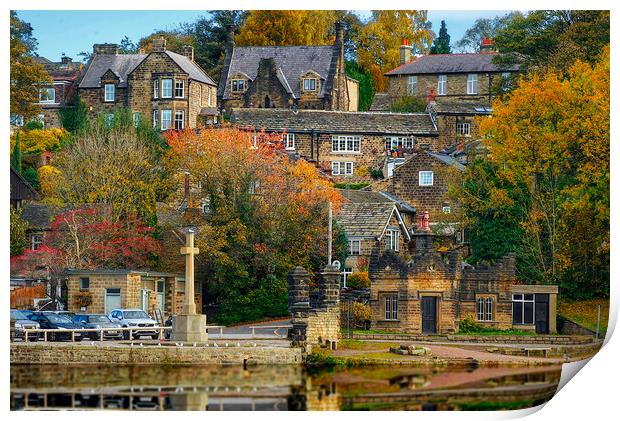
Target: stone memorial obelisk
x=189, y=326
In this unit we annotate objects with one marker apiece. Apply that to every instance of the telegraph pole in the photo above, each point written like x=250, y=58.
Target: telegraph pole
x=329, y=237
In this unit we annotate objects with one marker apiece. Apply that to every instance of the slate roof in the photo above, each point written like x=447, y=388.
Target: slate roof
x=302, y=121
x=380, y=102
x=450, y=63
x=369, y=196
x=447, y=159
x=38, y=215
x=460, y=108
x=365, y=219
x=123, y=64
x=21, y=189
x=292, y=62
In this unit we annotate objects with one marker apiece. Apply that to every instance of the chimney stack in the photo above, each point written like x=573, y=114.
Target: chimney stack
x=106, y=49
x=188, y=51
x=486, y=46
x=66, y=60
x=405, y=52
x=230, y=35
x=159, y=44
x=339, y=26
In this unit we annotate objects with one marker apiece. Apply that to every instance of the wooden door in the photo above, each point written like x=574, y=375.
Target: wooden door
x=429, y=314
x=541, y=313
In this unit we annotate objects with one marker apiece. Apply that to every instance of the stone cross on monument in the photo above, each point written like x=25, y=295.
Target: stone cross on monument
x=189, y=306
x=189, y=326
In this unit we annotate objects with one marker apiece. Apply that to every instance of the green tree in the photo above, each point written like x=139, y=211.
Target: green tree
x=19, y=242
x=441, y=45
x=127, y=46
x=366, y=88
x=16, y=158
x=32, y=177
x=26, y=73
x=483, y=28
x=408, y=104
x=74, y=119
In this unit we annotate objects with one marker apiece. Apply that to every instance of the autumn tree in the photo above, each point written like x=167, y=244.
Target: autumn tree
x=26, y=73
x=18, y=228
x=380, y=39
x=441, y=45
x=547, y=177
x=265, y=215
x=117, y=166
x=287, y=27
x=16, y=156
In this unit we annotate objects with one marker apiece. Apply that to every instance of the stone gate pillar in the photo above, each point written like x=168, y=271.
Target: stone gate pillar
x=299, y=305
x=329, y=287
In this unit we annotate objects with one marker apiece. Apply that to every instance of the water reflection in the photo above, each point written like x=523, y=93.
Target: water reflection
x=271, y=388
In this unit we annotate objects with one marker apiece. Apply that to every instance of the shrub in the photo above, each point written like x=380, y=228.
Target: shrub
x=40, y=140
x=468, y=325
x=359, y=280
x=408, y=104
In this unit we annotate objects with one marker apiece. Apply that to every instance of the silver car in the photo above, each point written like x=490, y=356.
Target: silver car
x=22, y=322
x=135, y=317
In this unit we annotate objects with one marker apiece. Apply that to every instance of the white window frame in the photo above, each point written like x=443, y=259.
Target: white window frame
x=308, y=84
x=179, y=85
x=237, y=85
x=136, y=118
x=446, y=209
x=178, y=113
x=155, y=119
x=520, y=300
x=36, y=240
x=109, y=95
x=289, y=141
x=346, y=144
x=355, y=247
x=166, y=117
x=484, y=309
x=412, y=85
x=463, y=129
x=442, y=84
x=393, y=142
x=392, y=240
x=342, y=168
x=52, y=97
x=166, y=88
x=391, y=306
x=346, y=272
x=423, y=178
x=472, y=84
x=156, y=88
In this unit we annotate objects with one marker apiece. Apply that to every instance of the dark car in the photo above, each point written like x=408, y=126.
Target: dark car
x=49, y=320
x=23, y=323
x=98, y=321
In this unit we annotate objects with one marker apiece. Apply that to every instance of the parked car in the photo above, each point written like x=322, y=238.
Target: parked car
x=98, y=321
x=68, y=314
x=135, y=318
x=50, y=320
x=22, y=322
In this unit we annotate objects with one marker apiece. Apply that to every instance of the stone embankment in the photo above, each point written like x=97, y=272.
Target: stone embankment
x=72, y=353
x=479, y=339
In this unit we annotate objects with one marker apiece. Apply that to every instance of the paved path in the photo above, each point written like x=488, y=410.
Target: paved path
x=262, y=330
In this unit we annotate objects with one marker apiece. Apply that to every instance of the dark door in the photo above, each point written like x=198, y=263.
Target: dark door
x=429, y=314
x=541, y=313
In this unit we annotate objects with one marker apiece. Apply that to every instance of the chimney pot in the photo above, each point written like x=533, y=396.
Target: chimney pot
x=188, y=51
x=107, y=49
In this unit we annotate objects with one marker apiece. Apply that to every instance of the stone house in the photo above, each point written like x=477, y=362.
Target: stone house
x=300, y=77
x=101, y=290
x=62, y=92
x=432, y=292
x=457, y=87
x=162, y=88
x=368, y=225
x=347, y=145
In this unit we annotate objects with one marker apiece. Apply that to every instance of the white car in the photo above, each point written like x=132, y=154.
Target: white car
x=135, y=317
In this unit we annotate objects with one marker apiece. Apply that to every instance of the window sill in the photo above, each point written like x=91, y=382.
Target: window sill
x=346, y=152
x=425, y=185
x=290, y=149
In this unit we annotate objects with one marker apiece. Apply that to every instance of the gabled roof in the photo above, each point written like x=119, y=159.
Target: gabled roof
x=323, y=121
x=369, y=196
x=441, y=157
x=38, y=215
x=368, y=220
x=123, y=64
x=21, y=188
x=293, y=62
x=451, y=63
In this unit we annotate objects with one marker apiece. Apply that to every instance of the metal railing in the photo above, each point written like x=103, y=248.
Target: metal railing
x=101, y=331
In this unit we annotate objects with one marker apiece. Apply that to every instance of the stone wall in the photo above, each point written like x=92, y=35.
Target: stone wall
x=69, y=353
x=456, y=87
x=318, y=325
x=129, y=286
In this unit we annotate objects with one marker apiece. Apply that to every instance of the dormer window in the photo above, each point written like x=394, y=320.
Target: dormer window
x=310, y=85
x=237, y=85
x=110, y=92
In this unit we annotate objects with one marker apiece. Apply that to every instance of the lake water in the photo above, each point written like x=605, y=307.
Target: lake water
x=279, y=388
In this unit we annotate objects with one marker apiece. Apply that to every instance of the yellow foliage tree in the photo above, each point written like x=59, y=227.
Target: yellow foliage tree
x=287, y=27
x=49, y=178
x=380, y=39
x=39, y=140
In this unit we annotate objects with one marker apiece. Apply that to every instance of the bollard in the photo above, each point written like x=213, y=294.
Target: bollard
x=45, y=335
x=221, y=332
x=73, y=336
x=101, y=335
x=25, y=335
x=253, y=332
x=131, y=334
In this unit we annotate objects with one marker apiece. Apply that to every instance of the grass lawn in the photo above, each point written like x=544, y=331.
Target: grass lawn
x=585, y=312
x=365, y=346
x=376, y=332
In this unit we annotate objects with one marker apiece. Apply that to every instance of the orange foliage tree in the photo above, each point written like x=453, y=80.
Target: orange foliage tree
x=266, y=214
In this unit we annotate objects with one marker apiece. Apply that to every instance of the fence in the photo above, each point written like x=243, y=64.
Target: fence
x=23, y=297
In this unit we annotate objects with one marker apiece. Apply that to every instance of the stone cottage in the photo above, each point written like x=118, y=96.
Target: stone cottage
x=62, y=92
x=301, y=77
x=346, y=145
x=162, y=88
x=431, y=292
x=102, y=290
